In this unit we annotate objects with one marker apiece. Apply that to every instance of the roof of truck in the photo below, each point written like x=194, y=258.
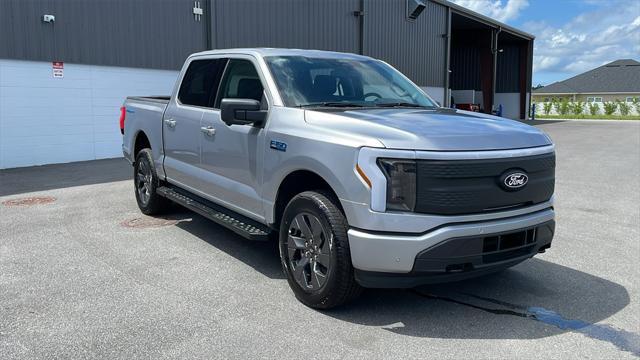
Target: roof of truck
x=262, y=52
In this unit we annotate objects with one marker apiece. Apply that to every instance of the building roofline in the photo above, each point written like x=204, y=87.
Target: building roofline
x=587, y=93
x=484, y=19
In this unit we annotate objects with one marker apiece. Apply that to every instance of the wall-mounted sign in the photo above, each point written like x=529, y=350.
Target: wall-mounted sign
x=58, y=69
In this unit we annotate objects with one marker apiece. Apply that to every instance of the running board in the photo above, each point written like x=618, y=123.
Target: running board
x=237, y=223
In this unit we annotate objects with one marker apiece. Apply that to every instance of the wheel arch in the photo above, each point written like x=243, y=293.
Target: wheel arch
x=141, y=141
x=296, y=182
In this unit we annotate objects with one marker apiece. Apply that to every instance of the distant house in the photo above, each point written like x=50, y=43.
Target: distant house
x=618, y=80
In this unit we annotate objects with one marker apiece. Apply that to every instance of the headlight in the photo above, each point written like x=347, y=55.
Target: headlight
x=401, y=183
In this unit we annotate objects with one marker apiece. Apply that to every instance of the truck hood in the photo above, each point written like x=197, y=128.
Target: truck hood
x=437, y=130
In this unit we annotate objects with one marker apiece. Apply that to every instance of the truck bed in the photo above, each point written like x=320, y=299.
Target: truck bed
x=144, y=114
x=163, y=99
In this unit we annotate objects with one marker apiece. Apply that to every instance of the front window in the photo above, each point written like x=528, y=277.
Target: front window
x=331, y=82
x=240, y=81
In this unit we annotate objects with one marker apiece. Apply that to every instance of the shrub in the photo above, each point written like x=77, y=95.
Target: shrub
x=563, y=107
x=577, y=108
x=556, y=106
x=636, y=104
x=624, y=107
x=546, y=107
x=610, y=107
x=594, y=108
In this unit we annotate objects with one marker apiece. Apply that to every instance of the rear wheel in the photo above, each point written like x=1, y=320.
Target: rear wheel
x=146, y=182
x=314, y=251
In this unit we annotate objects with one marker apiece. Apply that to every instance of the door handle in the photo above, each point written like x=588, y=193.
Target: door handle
x=209, y=130
x=170, y=123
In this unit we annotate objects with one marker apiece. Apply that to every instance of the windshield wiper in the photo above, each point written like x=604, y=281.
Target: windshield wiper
x=399, y=104
x=331, y=104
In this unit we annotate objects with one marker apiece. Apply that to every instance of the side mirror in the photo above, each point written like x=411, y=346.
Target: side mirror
x=241, y=111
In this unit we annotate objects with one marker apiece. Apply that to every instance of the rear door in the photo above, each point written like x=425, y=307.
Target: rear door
x=181, y=123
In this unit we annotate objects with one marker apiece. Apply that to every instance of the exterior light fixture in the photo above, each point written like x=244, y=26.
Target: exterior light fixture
x=414, y=8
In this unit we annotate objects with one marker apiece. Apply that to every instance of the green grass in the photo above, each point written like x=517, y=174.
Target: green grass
x=589, y=117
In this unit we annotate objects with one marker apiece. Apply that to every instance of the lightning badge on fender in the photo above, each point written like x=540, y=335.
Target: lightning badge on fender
x=278, y=145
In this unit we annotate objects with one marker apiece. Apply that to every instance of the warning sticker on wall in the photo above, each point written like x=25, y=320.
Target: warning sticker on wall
x=58, y=69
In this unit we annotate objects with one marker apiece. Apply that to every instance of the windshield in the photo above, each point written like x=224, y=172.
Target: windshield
x=331, y=82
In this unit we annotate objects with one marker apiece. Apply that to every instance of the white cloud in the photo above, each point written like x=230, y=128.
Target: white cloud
x=501, y=10
x=587, y=41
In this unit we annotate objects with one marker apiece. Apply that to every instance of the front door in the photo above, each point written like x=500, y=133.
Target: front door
x=230, y=154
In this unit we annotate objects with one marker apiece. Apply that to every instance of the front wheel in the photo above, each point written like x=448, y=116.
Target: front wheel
x=314, y=251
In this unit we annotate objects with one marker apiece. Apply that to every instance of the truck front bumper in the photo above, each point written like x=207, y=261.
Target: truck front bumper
x=450, y=252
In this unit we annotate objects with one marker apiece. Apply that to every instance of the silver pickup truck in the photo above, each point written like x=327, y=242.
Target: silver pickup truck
x=363, y=179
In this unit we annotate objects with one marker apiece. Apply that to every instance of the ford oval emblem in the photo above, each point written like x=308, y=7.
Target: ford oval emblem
x=515, y=180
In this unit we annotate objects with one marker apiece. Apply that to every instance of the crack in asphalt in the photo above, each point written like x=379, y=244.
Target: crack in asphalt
x=622, y=339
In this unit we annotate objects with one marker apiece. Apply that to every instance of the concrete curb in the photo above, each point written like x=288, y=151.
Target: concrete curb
x=585, y=120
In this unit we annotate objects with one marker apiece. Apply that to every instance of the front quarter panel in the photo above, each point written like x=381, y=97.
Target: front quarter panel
x=329, y=154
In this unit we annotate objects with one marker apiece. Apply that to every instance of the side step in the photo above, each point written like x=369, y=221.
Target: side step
x=239, y=224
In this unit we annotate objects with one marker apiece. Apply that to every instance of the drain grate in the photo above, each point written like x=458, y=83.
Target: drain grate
x=148, y=222
x=30, y=201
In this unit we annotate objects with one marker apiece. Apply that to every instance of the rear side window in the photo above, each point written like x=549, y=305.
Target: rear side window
x=241, y=81
x=200, y=83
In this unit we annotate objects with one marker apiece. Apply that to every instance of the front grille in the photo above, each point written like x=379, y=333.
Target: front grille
x=454, y=187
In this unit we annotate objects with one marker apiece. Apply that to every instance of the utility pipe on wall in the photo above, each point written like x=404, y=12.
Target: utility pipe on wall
x=494, y=51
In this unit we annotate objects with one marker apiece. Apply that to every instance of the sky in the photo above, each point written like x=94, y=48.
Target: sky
x=572, y=36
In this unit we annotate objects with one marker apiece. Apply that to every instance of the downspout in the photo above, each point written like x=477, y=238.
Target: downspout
x=360, y=14
x=208, y=22
x=531, y=111
x=494, y=51
x=447, y=61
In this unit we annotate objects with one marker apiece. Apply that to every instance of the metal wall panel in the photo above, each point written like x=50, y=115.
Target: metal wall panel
x=466, y=68
x=161, y=33
x=508, y=71
x=417, y=48
x=140, y=33
x=249, y=23
x=333, y=25
x=303, y=24
x=23, y=35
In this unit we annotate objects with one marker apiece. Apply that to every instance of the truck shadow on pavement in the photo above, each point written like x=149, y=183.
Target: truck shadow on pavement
x=259, y=255
x=535, y=299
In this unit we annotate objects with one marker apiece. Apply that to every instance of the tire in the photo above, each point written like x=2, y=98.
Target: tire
x=314, y=251
x=145, y=182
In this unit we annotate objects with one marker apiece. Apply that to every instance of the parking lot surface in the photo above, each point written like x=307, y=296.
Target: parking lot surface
x=83, y=274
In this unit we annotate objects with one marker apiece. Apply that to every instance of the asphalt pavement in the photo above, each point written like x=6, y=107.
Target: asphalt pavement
x=84, y=275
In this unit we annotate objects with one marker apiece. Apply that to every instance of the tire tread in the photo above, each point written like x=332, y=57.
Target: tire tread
x=157, y=204
x=346, y=287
